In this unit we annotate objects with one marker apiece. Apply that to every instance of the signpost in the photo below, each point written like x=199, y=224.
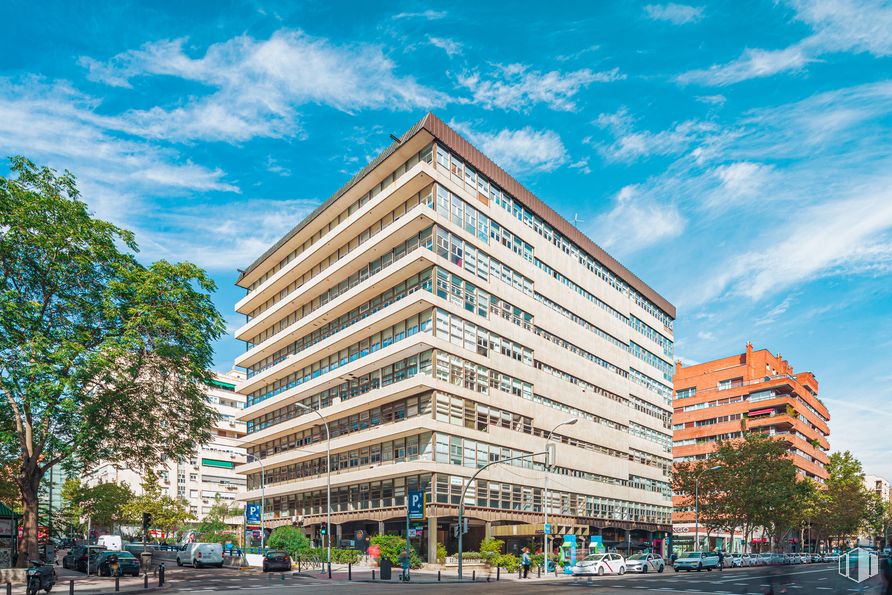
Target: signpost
x=415, y=510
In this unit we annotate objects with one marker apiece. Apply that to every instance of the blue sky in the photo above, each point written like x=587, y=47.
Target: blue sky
x=735, y=155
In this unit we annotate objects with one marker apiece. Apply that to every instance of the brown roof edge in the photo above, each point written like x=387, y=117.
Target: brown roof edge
x=485, y=165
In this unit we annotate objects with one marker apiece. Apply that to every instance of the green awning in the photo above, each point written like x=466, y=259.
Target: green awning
x=7, y=512
x=218, y=463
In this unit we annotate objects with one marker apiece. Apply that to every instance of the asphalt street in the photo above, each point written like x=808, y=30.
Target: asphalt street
x=805, y=580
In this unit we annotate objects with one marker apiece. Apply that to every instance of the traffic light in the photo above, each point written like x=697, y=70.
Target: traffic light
x=146, y=521
x=323, y=530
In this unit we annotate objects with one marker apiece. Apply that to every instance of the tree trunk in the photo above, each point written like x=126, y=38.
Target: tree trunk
x=28, y=481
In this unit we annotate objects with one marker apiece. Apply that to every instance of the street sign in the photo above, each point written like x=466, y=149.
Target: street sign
x=412, y=533
x=252, y=513
x=416, y=506
x=548, y=528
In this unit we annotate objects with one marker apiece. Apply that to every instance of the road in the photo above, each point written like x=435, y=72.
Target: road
x=804, y=580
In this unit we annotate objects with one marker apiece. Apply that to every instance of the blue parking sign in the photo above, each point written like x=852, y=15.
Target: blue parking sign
x=252, y=513
x=416, y=505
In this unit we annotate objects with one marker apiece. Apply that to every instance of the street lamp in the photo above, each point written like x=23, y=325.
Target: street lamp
x=328, y=481
x=262, y=498
x=697, y=504
x=569, y=422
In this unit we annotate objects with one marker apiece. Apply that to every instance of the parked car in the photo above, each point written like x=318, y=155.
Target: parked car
x=276, y=560
x=600, y=564
x=111, y=542
x=830, y=557
x=697, y=561
x=78, y=556
x=735, y=560
x=645, y=563
x=816, y=557
x=201, y=554
x=102, y=563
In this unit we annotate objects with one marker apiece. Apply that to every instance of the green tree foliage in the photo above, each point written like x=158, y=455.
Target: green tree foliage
x=215, y=521
x=290, y=539
x=844, y=507
x=100, y=355
x=394, y=546
x=441, y=553
x=490, y=548
x=168, y=514
x=104, y=504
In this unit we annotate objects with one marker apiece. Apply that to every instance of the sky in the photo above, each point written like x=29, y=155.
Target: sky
x=737, y=156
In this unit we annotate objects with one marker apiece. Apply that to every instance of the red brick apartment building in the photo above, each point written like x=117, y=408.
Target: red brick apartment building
x=711, y=399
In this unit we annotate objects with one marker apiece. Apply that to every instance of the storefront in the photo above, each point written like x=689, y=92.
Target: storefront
x=8, y=532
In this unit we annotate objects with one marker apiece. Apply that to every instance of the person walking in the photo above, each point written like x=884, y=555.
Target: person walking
x=886, y=575
x=526, y=561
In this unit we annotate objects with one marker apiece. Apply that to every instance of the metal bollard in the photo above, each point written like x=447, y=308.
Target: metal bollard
x=373, y=575
x=349, y=571
x=329, y=569
x=438, y=576
x=71, y=587
x=473, y=575
x=538, y=571
x=9, y=588
x=518, y=572
x=498, y=571
x=117, y=583
x=145, y=581
x=298, y=565
x=161, y=574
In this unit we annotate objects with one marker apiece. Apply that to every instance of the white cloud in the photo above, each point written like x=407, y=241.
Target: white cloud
x=516, y=87
x=837, y=26
x=629, y=144
x=430, y=15
x=55, y=125
x=753, y=63
x=712, y=99
x=637, y=221
x=518, y=151
x=706, y=336
x=776, y=312
x=257, y=86
x=739, y=181
x=677, y=14
x=450, y=46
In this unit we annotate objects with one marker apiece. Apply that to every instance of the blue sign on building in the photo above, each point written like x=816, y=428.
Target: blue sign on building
x=252, y=513
x=416, y=506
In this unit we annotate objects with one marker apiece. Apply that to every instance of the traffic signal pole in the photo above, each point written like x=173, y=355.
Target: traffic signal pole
x=461, y=503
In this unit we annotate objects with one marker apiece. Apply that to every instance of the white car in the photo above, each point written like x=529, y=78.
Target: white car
x=201, y=554
x=600, y=564
x=736, y=560
x=645, y=563
x=697, y=561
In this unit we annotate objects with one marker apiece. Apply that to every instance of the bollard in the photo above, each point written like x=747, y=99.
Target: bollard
x=518, y=571
x=117, y=583
x=71, y=587
x=349, y=571
x=145, y=581
x=161, y=574
x=9, y=588
x=538, y=571
x=298, y=566
x=473, y=575
x=373, y=575
x=438, y=576
x=498, y=570
x=329, y=569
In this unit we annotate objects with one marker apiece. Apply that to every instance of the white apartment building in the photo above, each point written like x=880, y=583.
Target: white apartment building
x=210, y=472
x=878, y=485
x=441, y=317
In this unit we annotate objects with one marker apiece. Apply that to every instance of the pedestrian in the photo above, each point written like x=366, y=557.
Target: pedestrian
x=526, y=561
x=886, y=575
x=721, y=559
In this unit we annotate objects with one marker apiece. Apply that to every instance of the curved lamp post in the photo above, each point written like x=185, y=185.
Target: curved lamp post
x=328, y=480
x=697, y=504
x=548, y=464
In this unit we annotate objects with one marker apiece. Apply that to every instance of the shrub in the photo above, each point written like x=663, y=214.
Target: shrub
x=345, y=556
x=490, y=548
x=393, y=546
x=471, y=556
x=441, y=553
x=507, y=561
x=290, y=539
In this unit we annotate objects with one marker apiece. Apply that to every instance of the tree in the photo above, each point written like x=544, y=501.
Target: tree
x=104, y=504
x=215, y=521
x=100, y=356
x=290, y=539
x=168, y=514
x=846, y=504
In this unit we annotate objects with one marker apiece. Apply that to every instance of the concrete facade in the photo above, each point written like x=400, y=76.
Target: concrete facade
x=440, y=317
x=751, y=391
x=211, y=471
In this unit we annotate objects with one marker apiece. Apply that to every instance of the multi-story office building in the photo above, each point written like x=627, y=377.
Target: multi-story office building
x=441, y=317
x=210, y=472
x=752, y=391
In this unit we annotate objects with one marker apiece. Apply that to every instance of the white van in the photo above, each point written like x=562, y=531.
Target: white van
x=112, y=543
x=201, y=554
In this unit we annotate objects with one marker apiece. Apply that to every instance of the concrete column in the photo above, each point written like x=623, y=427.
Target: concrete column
x=380, y=527
x=487, y=529
x=337, y=536
x=431, y=540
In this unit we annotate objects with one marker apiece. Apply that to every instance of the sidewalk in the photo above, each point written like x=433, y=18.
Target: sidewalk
x=84, y=584
x=366, y=573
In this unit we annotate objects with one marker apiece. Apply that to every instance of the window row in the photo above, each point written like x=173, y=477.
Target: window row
x=581, y=321
x=586, y=386
x=425, y=154
x=663, y=439
x=463, y=215
x=485, y=187
x=354, y=387
x=459, y=331
x=425, y=197
x=461, y=372
x=379, y=302
x=655, y=386
x=422, y=239
x=581, y=352
x=479, y=263
x=380, y=340
x=511, y=241
x=657, y=362
x=349, y=424
x=455, y=450
x=654, y=335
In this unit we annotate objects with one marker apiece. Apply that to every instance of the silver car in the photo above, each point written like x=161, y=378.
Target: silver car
x=645, y=563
